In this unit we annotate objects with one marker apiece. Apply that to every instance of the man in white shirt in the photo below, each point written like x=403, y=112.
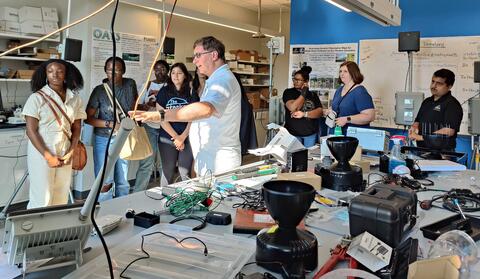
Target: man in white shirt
x=214, y=134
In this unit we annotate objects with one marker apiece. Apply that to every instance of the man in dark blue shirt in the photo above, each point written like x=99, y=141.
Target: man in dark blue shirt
x=440, y=115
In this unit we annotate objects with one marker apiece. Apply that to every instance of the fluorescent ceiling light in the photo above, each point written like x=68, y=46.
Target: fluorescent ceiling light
x=194, y=15
x=383, y=12
x=338, y=6
x=218, y=23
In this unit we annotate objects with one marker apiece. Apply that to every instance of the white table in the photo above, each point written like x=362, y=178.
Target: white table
x=328, y=233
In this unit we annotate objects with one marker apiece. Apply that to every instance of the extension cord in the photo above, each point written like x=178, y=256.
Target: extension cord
x=108, y=222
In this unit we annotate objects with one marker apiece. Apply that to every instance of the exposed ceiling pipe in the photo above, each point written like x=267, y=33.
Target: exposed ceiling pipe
x=259, y=33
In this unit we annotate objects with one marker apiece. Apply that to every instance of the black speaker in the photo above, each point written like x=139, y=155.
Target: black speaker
x=409, y=41
x=169, y=46
x=297, y=161
x=73, y=50
x=476, y=71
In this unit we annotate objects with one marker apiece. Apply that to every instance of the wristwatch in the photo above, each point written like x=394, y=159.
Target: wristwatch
x=162, y=114
x=349, y=119
x=107, y=124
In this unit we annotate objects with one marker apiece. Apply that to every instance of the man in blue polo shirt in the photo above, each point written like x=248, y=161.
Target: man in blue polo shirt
x=440, y=115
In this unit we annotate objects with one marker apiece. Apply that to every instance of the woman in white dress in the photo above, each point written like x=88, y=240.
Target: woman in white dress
x=51, y=140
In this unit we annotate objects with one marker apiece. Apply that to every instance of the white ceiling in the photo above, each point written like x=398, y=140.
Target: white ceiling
x=267, y=5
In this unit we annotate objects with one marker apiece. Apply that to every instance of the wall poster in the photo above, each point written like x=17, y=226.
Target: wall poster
x=137, y=51
x=325, y=61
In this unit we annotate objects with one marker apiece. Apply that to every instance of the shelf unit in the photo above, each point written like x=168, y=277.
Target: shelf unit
x=16, y=36
x=22, y=58
x=13, y=62
x=255, y=78
x=15, y=79
x=251, y=74
x=252, y=62
x=260, y=79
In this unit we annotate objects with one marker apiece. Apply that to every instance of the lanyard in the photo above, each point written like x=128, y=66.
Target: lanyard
x=343, y=97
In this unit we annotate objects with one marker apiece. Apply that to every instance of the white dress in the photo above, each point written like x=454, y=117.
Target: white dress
x=50, y=186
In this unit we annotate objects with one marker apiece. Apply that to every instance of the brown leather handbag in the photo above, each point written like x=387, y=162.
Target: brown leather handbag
x=79, y=153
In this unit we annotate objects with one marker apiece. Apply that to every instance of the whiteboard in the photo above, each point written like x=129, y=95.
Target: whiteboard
x=385, y=71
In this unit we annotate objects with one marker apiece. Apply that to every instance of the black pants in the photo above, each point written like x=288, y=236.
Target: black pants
x=171, y=158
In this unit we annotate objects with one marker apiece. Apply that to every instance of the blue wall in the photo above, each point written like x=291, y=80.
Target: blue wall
x=318, y=22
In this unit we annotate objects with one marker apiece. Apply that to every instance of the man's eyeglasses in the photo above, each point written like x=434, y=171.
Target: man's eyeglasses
x=199, y=54
x=297, y=80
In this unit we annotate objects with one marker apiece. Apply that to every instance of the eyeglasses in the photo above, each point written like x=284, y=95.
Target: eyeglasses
x=199, y=54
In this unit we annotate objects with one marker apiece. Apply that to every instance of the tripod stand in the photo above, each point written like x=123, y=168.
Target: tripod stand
x=3, y=214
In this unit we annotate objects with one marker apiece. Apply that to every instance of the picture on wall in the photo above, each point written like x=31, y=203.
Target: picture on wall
x=325, y=61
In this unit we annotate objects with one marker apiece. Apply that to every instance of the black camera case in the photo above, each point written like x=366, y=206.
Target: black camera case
x=385, y=211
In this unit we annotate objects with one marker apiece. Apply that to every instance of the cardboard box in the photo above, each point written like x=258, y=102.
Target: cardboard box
x=48, y=55
x=263, y=104
x=439, y=268
x=9, y=26
x=265, y=93
x=47, y=50
x=303, y=176
x=33, y=27
x=10, y=14
x=254, y=99
x=247, y=55
x=49, y=14
x=25, y=74
x=51, y=26
x=29, y=13
x=363, y=164
x=264, y=69
x=229, y=56
x=232, y=64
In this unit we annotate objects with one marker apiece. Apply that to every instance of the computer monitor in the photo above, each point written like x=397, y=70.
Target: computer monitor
x=370, y=139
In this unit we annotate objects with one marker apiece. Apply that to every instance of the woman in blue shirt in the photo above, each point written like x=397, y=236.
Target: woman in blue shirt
x=351, y=102
x=174, y=146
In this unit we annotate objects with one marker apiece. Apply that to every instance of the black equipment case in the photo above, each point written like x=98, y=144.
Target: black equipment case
x=385, y=211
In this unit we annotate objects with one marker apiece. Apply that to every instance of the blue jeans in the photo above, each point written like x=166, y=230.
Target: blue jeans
x=120, y=170
x=308, y=141
x=146, y=166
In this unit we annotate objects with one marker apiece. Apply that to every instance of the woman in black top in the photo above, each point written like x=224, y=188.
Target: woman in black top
x=302, y=108
x=174, y=145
